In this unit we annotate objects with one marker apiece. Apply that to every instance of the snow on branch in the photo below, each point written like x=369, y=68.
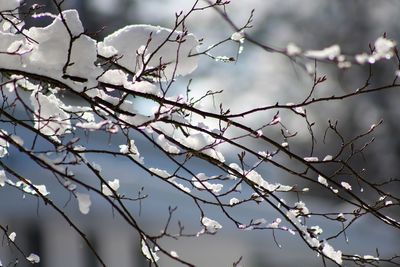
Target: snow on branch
x=61, y=91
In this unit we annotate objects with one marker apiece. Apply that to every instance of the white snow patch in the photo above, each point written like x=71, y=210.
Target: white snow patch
x=84, y=202
x=130, y=39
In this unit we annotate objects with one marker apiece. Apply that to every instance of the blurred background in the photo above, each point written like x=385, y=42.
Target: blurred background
x=257, y=79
